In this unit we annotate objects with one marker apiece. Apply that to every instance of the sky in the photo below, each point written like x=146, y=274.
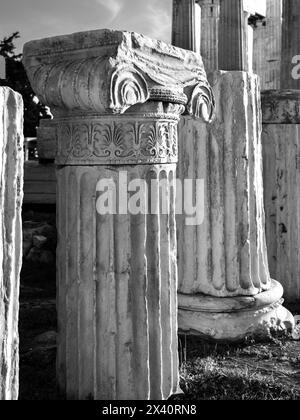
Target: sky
x=36, y=19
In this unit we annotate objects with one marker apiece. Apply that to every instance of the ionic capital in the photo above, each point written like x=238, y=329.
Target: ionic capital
x=108, y=72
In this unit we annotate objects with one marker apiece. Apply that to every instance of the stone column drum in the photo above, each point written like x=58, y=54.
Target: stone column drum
x=116, y=98
x=226, y=292
x=11, y=196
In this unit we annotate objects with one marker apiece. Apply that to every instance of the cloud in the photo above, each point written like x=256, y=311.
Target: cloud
x=113, y=6
x=149, y=17
x=42, y=18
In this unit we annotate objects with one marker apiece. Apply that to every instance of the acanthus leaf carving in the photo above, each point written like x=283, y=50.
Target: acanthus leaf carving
x=98, y=141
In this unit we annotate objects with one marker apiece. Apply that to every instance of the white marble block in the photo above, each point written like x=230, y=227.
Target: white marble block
x=11, y=195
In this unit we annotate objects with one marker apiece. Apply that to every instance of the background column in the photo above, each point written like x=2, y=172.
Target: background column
x=183, y=24
x=267, y=46
x=210, y=12
x=233, y=34
x=225, y=288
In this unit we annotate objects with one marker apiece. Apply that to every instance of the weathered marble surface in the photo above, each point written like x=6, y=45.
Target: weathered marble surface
x=117, y=279
x=229, y=247
x=281, y=107
x=234, y=319
x=11, y=195
x=226, y=256
x=281, y=152
x=103, y=70
x=117, y=294
x=117, y=273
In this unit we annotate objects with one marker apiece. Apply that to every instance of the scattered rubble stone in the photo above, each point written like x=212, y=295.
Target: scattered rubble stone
x=39, y=241
x=48, y=337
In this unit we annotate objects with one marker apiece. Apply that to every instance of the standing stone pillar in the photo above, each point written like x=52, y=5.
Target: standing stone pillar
x=281, y=150
x=116, y=98
x=226, y=292
x=267, y=46
x=11, y=195
x=183, y=24
x=290, y=59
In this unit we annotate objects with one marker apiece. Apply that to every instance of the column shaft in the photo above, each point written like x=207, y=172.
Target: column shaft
x=210, y=11
x=117, y=273
x=183, y=24
x=233, y=26
x=117, y=291
x=225, y=256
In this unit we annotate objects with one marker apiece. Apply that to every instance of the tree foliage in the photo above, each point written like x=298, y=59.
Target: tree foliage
x=16, y=79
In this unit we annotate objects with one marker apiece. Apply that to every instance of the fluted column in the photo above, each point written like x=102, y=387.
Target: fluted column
x=226, y=292
x=290, y=60
x=210, y=12
x=183, y=24
x=11, y=195
x=116, y=98
x=233, y=35
x=267, y=46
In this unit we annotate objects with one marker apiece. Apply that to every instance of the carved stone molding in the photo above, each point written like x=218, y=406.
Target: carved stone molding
x=108, y=71
x=228, y=319
x=116, y=141
x=281, y=107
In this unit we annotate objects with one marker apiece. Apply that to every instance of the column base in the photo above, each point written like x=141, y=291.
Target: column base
x=234, y=319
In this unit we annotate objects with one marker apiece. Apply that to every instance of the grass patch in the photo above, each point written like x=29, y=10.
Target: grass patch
x=259, y=371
